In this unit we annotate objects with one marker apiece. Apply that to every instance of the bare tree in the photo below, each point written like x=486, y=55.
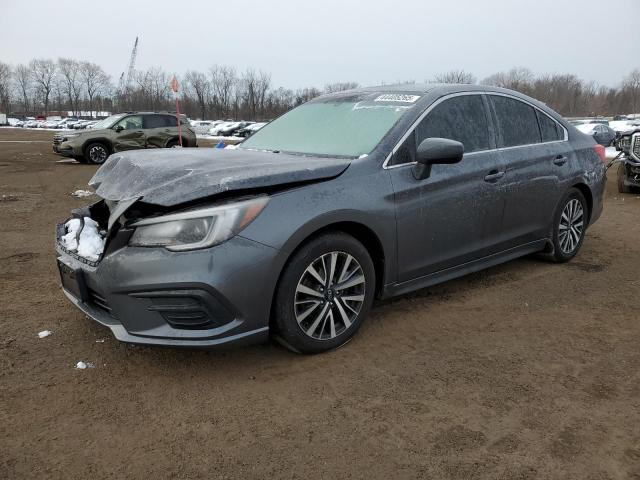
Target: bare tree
x=631, y=84
x=519, y=78
x=223, y=86
x=263, y=85
x=340, y=86
x=5, y=87
x=305, y=94
x=70, y=71
x=22, y=79
x=455, y=76
x=43, y=72
x=199, y=85
x=95, y=81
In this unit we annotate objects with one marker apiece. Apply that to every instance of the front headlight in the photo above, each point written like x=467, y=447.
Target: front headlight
x=67, y=136
x=197, y=228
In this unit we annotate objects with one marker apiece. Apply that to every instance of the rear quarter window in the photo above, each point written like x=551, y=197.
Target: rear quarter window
x=517, y=122
x=550, y=130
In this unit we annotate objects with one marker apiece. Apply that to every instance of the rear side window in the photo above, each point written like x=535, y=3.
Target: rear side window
x=154, y=121
x=459, y=118
x=517, y=122
x=549, y=129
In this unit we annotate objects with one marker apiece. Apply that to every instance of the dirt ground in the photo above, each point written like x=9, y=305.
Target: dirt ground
x=527, y=370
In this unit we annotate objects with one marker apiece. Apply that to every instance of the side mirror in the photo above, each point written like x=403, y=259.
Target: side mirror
x=119, y=128
x=436, y=151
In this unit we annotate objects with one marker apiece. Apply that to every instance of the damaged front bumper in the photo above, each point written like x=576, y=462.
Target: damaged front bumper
x=202, y=298
x=632, y=173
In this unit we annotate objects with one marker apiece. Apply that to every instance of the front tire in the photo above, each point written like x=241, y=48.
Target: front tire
x=622, y=177
x=324, y=294
x=96, y=153
x=570, y=224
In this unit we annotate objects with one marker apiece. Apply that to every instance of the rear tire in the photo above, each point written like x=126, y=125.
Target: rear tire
x=569, y=225
x=324, y=294
x=622, y=176
x=96, y=153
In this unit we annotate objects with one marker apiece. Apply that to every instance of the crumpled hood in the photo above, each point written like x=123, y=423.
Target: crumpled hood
x=168, y=177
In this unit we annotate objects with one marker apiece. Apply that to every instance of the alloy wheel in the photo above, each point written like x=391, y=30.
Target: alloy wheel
x=329, y=295
x=98, y=154
x=571, y=226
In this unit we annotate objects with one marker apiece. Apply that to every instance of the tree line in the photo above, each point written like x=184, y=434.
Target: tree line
x=43, y=86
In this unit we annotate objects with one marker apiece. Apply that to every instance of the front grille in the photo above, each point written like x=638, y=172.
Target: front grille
x=635, y=146
x=98, y=301
x=624, y=144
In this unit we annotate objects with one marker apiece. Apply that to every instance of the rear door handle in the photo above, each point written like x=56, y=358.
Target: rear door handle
x=493, y=176
x=560, y=160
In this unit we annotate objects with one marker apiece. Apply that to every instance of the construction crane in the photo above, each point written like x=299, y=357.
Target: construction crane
x=124, y=83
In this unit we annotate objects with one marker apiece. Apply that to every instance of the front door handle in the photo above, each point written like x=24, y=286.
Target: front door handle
x=560, y=160
x=493, y=176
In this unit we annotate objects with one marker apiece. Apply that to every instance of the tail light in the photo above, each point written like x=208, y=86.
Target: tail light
x=600, y=150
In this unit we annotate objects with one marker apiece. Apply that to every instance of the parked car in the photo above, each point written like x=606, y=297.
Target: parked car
x=125, y=131
x=202, y=127
x=81, y=125
x=372, y=193
x=603, y=134
x=215, y=130
x=249, y=129
x=231, y=129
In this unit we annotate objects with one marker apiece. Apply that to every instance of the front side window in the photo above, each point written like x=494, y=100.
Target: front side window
x=344, y=126
x=107, y=122
x=459, y=118
x=130, y=123
x=517, y=122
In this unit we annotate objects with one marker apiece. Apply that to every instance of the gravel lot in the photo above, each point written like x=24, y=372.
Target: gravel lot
x=527, y=370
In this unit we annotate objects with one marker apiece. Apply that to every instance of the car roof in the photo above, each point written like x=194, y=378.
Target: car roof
x=432, y=91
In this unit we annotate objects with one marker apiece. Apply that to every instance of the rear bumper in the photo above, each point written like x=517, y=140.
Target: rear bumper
x=203, y=299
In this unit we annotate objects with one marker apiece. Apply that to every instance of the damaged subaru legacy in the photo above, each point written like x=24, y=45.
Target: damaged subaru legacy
x=357, y=195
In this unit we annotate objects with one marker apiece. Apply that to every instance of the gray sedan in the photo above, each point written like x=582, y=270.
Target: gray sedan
x=357, y=195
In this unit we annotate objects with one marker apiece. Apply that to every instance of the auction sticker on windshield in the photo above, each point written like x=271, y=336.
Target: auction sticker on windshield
x=396, y=97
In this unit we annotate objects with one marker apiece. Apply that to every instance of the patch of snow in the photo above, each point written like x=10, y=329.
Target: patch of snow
x=89, y=244
x=84, y=365
x=231, y=147
x=44, y=333
x=611, y=152
x=622, y=125
x=82, y=193
x=586, y=128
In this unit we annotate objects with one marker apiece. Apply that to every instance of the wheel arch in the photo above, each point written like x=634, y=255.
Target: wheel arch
x=105, y=141
x=361, y=232
x=588, y=196
x=185, y=141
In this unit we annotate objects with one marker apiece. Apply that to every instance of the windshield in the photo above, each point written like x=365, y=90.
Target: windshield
x=108, y=122
x=347, y=126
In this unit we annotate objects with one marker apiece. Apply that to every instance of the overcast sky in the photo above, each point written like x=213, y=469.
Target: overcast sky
x=305, y=43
